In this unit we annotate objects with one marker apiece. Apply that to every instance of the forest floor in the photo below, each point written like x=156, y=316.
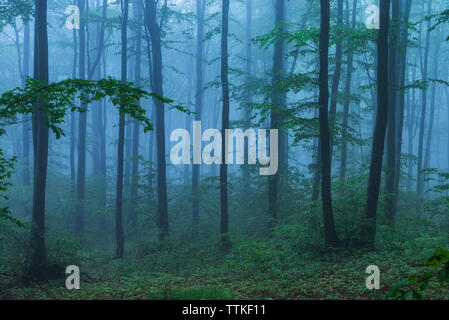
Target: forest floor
x=255, y=269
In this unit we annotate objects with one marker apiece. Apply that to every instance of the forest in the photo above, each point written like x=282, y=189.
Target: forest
x=224, y=149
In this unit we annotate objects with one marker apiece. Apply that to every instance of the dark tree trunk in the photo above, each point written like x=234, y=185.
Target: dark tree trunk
x=336, y=77
x=330, y=236
x=81, y=172
x=38, y=258
x=224, y=210
x=432, y=104
x=248, y=72
x=155, y=35
x=405, y=11
x=121, y=140
x=349, y=70
x=392, y=119
x=419, y=176
x=135, y=152
x=375, y=173
x=200, y=9
x=277, y=104
x=25, y=117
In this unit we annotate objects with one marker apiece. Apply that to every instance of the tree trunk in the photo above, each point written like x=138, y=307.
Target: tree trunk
x=277, y=103
x=391, y=127
x=25, y=117
x=225, y=240
x=349, y=70
x=405, y=11
x=375, y=173
x=432, y=104
x=419, y=179
x=200, y=9
x=81, y=172
x=135, y=152
x=155, y=35
x=248, y=72
x=121, y=140
x=330, y=236
x=38, y=258
x=336, y=76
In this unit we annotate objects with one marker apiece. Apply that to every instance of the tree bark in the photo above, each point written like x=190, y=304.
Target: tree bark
x=370, y=219
x=224, y=210
x=330, y=235
x=419, y=179
x=38, y=258
x=155, y=35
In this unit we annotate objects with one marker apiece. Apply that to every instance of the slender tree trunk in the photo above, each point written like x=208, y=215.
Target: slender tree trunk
x=330, y=236
x=248, y=72
x=405, y=11
x=277, y=104
x=25, y=117
x=375, y=173
x=224, y=228
x=432, y=105
x=155, y=35
x=121, y=140
x=349, y=70
x=38, y=258
x=420, y=180
x=200, y=9
x=392, y=121
x=81, y=172
x=135, y=141
x=337, y=75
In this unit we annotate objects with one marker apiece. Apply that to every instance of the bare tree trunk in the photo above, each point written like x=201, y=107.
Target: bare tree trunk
x=25, y=117
x=392, y=120
x=38, y=261
x=155, y=35
x=81, y=172
x=349, y=70
x=224, y=228
x=277, y=104
x=432, y=104
x=135, y=152
x=375, y=173
x=420, y=180
x=336, y=77
x=248, y=74
x=200, y=10
x=121, y=140
x=330, y=236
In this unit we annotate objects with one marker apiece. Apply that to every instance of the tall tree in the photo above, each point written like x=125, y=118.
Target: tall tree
x=200, y=10
x=337, y=74
x=121, y=138
x=394, y=34
x=348, y=81
x=330, y=235
x=432, y=100
x=248, y=74
x=402, y=61
x=82, y=124
x=277, y=104
x=377, y=151
x=38, y=258
x=154, y=30
x=25, y=117
x=419, y=176
x=224, y=209
x=137, y=11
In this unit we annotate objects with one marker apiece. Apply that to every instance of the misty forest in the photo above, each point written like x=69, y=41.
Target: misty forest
x=94, y=96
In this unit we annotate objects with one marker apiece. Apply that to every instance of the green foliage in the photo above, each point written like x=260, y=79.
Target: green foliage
x=10, y=9
x=415, y=285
